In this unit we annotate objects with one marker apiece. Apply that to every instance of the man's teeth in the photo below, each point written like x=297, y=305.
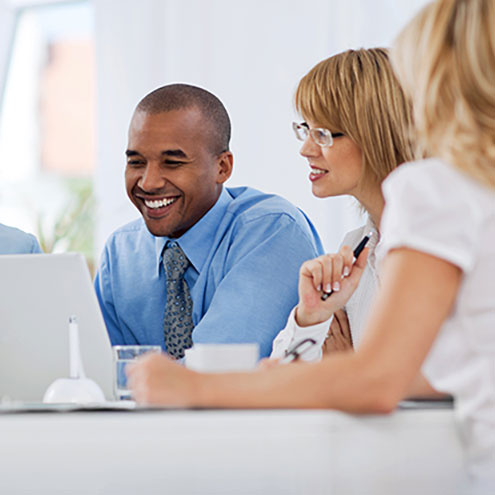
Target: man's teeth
x=318, y=171
x=159, y=203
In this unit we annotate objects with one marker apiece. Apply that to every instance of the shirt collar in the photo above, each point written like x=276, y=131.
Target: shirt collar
x=373, y=242
x=197, y=241
x=371, y=227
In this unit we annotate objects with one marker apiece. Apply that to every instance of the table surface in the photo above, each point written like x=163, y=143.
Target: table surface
x=230, y=452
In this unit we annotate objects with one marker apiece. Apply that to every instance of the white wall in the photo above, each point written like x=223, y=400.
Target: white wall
x=7, y=20
x=251, y=54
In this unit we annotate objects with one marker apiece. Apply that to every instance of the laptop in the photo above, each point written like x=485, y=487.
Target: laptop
x=38, y=294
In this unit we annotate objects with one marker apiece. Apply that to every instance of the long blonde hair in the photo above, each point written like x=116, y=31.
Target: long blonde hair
x=356, y=93
x=445, y=59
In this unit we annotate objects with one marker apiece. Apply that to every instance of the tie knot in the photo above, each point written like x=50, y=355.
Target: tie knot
x=175, y=261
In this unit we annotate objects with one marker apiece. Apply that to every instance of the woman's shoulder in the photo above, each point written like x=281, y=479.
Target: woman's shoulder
x=431, y=175
x=434, y=185
x=433, y=207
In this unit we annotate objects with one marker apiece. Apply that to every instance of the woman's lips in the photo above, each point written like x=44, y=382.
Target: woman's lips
x=317, y=173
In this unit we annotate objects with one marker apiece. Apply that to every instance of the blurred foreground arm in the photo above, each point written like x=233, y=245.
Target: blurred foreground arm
x=417, y=294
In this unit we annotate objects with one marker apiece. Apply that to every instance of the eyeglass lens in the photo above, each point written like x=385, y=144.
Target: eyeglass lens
x=322, y=137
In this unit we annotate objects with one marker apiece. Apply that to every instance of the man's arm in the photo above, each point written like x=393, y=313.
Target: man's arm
x=104, y=293
x=35, y=246
x=259, y=287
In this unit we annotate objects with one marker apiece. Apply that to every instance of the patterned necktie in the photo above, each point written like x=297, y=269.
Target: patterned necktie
x=177, y=324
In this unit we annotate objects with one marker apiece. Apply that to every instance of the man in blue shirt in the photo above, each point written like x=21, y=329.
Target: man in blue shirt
x=229, y=257
x=15, y=241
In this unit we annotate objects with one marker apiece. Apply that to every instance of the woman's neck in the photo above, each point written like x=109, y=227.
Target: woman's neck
x=373, y=203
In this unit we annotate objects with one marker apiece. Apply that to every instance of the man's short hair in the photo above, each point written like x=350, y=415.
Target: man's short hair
x=180, y=96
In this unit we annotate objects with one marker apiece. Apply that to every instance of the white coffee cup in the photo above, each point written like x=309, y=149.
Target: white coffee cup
x=218, y=358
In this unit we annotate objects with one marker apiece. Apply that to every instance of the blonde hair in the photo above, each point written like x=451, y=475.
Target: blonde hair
x=356, y=93
x=445, y=58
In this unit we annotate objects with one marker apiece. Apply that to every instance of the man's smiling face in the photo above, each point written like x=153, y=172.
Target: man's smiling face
x=172, y=177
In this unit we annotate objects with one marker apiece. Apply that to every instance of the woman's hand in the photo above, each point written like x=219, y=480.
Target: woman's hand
x=339, y=336
x=157, y=379
x=268, y=363
x=330, y=272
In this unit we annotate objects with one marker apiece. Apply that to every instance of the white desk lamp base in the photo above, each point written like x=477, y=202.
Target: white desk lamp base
x=77, y=389
x=73, y=390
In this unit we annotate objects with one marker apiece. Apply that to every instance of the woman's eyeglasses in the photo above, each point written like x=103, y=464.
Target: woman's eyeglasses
x=322, y=137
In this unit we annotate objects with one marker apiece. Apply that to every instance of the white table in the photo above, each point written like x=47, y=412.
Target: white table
x=230, y=452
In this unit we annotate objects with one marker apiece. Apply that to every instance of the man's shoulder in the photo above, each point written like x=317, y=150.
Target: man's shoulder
x=13, y=240
x=255, y=211
x=249, y=204
x=130, y=235
x=12, y=232
x=130, y=228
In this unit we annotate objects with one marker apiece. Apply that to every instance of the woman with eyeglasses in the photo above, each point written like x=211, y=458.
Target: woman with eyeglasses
x=435, y=308
x=356, y=131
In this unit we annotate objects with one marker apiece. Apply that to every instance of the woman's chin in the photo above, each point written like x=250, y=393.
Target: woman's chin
x=320, y=192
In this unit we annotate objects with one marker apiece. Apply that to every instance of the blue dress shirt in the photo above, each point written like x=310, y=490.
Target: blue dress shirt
x=245, y=255
x=15, y=241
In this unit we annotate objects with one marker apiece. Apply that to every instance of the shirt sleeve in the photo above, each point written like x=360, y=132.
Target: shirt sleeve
x=293, y=333
x=104, y=293
x=426, y=210
x=35, y=246
x=259, y=284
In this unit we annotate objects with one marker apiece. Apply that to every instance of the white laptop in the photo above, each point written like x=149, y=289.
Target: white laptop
x=38, y=294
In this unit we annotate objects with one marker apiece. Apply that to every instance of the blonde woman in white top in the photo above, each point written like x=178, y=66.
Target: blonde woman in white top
x=435, y=309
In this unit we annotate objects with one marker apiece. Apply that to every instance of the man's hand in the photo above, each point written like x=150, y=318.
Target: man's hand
x=339, y=336
x=331, y=272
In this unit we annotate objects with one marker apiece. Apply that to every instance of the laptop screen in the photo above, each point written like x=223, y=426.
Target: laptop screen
x=38, y=294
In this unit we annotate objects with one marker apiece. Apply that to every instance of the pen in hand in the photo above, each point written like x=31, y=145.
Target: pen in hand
x=356, y=253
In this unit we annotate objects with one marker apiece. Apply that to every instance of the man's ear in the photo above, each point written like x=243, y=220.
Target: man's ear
x=225, y=163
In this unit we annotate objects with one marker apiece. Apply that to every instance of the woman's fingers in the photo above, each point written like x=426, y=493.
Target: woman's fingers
x=344, y=327
x=362, y=258
x=157, y=379
x=351, y=282
x=336, y=332
x=312, y=271
x=348, y=258
x=333, y=271
x=326, y=272
x=339, y=335
x=337, y=271
x=327, y=268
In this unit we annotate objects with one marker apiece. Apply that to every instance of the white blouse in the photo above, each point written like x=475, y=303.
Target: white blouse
x=357, y=307
x=434, y=208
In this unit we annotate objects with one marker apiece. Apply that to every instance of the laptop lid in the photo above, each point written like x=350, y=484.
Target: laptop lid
x=38, y=294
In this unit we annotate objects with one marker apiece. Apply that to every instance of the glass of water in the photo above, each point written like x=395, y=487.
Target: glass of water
x=122, y=356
